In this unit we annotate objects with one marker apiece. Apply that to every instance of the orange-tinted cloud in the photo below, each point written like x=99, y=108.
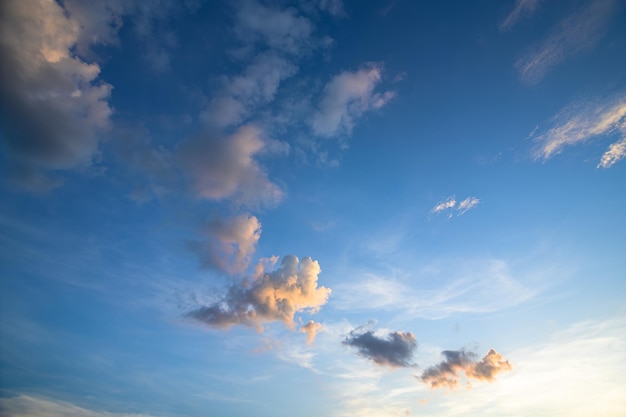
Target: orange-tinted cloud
x=311, y=329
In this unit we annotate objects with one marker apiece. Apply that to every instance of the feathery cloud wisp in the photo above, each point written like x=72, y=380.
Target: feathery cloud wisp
x=615, y=152
x=447, y=373
x=574, y=34
x=394, y=350
x=449, y=205
x=522, y=8
x=268, y=297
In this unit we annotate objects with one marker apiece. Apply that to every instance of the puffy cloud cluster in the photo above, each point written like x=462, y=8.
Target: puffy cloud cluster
x=269, y=297
x=346, y=97
x=53, y=104
x=450, y=204
x=229, y=243
x=395, y=349
x=224, y=168
x=447, y=374
x=580, y=123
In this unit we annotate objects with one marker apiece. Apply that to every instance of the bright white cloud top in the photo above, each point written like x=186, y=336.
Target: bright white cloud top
x=312, y=208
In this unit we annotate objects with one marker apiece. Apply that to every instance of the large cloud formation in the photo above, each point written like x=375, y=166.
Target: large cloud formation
x=447, y=374
x=53, y=104
x=395, y=350
x=268, y=297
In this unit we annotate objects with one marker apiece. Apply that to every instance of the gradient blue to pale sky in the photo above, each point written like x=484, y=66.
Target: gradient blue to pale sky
x=312, y=208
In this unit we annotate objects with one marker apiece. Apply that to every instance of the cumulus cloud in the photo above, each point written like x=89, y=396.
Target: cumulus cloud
x=229, y=243
x=268, y=297
x=346, y=97
x=450, y=206
x=615, y=152
x=573, y=35
x=225, y=168
x=448, y=373
x=53, y=104
x=311, y=329
x=395, y=349
x=581, y=123
x=255, y=86
x=522, y=8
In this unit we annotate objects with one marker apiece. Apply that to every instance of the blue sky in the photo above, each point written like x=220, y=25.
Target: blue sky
x=306, y=208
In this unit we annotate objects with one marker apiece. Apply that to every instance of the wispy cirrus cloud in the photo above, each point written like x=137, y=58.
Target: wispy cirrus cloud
x=457, y=363
x=521, y=9
x=31, y=406
x=574, y=34
x=580, y=123
x=268, y=297
x=394, y=349
x=346, y=97
x=452, y=207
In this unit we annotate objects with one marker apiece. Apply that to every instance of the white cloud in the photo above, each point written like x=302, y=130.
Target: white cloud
x=581, y=123
x=450, y=206
x=346, y=97
x=225, y=168
x=522, y=8
x=615, y=152
x=29, y=406
x=54, y=105
x=574, y=34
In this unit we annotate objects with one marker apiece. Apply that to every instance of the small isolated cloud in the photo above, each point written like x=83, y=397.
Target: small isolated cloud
x=225, y=167
x=395, y=349
x=615, y=152
x=522, y=8
x=346, y=97
x=448, y=373
x=53, y=104
x=573, y=35
x=311, y=329
x=450, y=206
x=268, y=297
x=581, y=123
x=229, y=243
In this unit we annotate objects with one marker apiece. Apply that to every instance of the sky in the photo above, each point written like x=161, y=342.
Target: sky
x=312, y=208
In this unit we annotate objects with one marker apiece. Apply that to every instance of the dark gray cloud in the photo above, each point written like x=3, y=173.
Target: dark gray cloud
x=449, y=372
x=395, y=350
x=268, y=297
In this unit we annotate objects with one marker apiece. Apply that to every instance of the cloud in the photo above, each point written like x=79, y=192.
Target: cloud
x=29, y=406
x=447, y=374
x=573, y=35
x=346, y=97
x=450, y=203
x=54, y=106
x=268, y=297
x=333, y=7
x=311, y=329
x=257, y=85
x=229, y=243
x=615, y=152
x=395, y=350
x=522, y=8
x=580, y=123
x=282, y=30
x=224, y=168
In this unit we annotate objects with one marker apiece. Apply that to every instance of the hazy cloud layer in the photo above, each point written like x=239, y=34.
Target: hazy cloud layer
x=224, y=168
x=53, y=104
x=572, y=35
x=346, y=97
x=395, y=349
x=268, y=297
x=457, y=363
x=522, y=9
x=29, y=406
x=229, y=243
x=582, y=122
x=450, y=206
